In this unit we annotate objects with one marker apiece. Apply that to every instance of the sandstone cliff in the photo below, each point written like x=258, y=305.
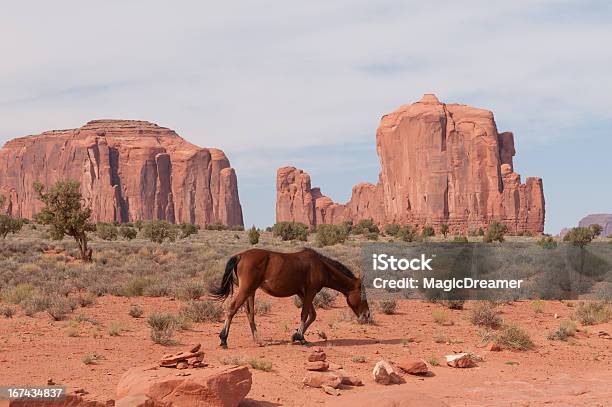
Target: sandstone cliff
x=128, y=170
x=440, y=163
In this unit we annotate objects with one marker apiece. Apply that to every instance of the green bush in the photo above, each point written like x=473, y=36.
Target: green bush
x=460, y=239
x=8, y=224
x=365, y=226
x=189, y=290
x=408, y=233
x=428, y=231
x=388, y=306
x=217, y=225
x=159, y=230
x=106, y=231
x=593, y=313
x=496, y=232
x=484, y=314
x=547, y=242
x=187, y=229
x=162, y=328
x=127, y=232
x=391, y=229
x=19, y=293
x=444, y=229
x=329, y=235
x=290, y=231
x=514, y=338
x=254, y=235
x=579, y=236
x=566, y=329
x=596, y=229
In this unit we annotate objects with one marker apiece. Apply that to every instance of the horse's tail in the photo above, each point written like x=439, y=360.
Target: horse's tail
x=226, y=288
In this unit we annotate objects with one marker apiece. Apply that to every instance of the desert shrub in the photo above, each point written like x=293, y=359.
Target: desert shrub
x=254, y=235
x=364, y=226
x=579, y=236
x=453, y=304
x=566, y=329
x=547, y=242
x=439, y=317
x=537, y=306
x=135, y=311
x=358, y=359
x=329, y=235
x=297, y=301
x=139, y=224
x=346, y=226
x=35, y=304
x=290, y=231
x=58, y=308
x=371, y=235
x=162, y=328
x=261, y=364
x=484, y=314
x=391, y=229
x=495, y=232
x=189, y=290
x=444, y=229
x=460, y=239
x=7, y=312
x=127, y=232
x=8, y=224
x=388, y=306
x=262, y=307
x=136, y=286
x=596, y=229
x=90, y=358
x=217, y=225
x=187, y=229
x=115, y=328
x=19, y=293
x=202, y=311
x=408, y=233
x=106, y=231
x=593, y=313
x=156, y=289
x=86, y=300
x=428, y=231
x=324, y=298
x=232, y=360
x=159, y=230
x=514, y=337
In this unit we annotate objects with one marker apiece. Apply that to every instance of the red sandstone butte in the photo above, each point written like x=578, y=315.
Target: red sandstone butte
x=440, y=163
x=128, y=170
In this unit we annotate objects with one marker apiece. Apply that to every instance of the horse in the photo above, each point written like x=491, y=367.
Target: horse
x=303, y=273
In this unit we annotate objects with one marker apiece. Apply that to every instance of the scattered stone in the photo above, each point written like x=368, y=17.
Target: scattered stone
x=195, y=348
x=318, y=365
x=334, y=366
x=330, y=390
x=320, y=379
x=317, y=356
x=384, y=373
x=352, y=381
x=50, y=382
x=493, y=347
x=413, y=365
x=322, y=335
x=604, y=335
x=460, y=360
x=182, y=365
x=225, y=386
x=556, y=316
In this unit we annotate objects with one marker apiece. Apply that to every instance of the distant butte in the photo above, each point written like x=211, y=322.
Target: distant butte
x=129, y=170
x=440, y=164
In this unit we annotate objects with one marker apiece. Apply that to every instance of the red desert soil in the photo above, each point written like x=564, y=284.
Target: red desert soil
x=555, y=373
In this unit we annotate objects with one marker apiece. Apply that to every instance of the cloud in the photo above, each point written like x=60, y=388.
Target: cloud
x=265, y=80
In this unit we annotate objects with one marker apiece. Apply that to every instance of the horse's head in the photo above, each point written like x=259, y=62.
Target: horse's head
x=356, y=299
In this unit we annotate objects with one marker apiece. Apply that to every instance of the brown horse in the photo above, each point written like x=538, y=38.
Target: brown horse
x=303, y=274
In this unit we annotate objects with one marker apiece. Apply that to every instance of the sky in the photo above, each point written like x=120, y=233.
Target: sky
x=276, y=83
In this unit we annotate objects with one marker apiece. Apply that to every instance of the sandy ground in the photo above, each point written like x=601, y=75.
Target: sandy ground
x=573, y=373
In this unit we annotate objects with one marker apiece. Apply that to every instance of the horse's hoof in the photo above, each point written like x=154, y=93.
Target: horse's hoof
x=297, y=337
x=223, y=345
x=304, y=342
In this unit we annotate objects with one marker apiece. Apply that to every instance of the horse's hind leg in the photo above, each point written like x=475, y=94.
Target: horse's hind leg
x=234, y=306
x=250, y=308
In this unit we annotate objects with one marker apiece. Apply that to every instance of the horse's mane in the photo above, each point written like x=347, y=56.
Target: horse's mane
x=336, y=264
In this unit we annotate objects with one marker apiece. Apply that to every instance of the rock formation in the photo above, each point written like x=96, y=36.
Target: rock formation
x=128, y=170
x=602, y=219
x=440, y=163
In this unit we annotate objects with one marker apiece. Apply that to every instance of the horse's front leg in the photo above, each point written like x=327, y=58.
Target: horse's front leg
x=306, y=307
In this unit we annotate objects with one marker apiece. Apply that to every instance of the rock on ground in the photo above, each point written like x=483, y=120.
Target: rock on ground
x=222, y=387
x=384, y=373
